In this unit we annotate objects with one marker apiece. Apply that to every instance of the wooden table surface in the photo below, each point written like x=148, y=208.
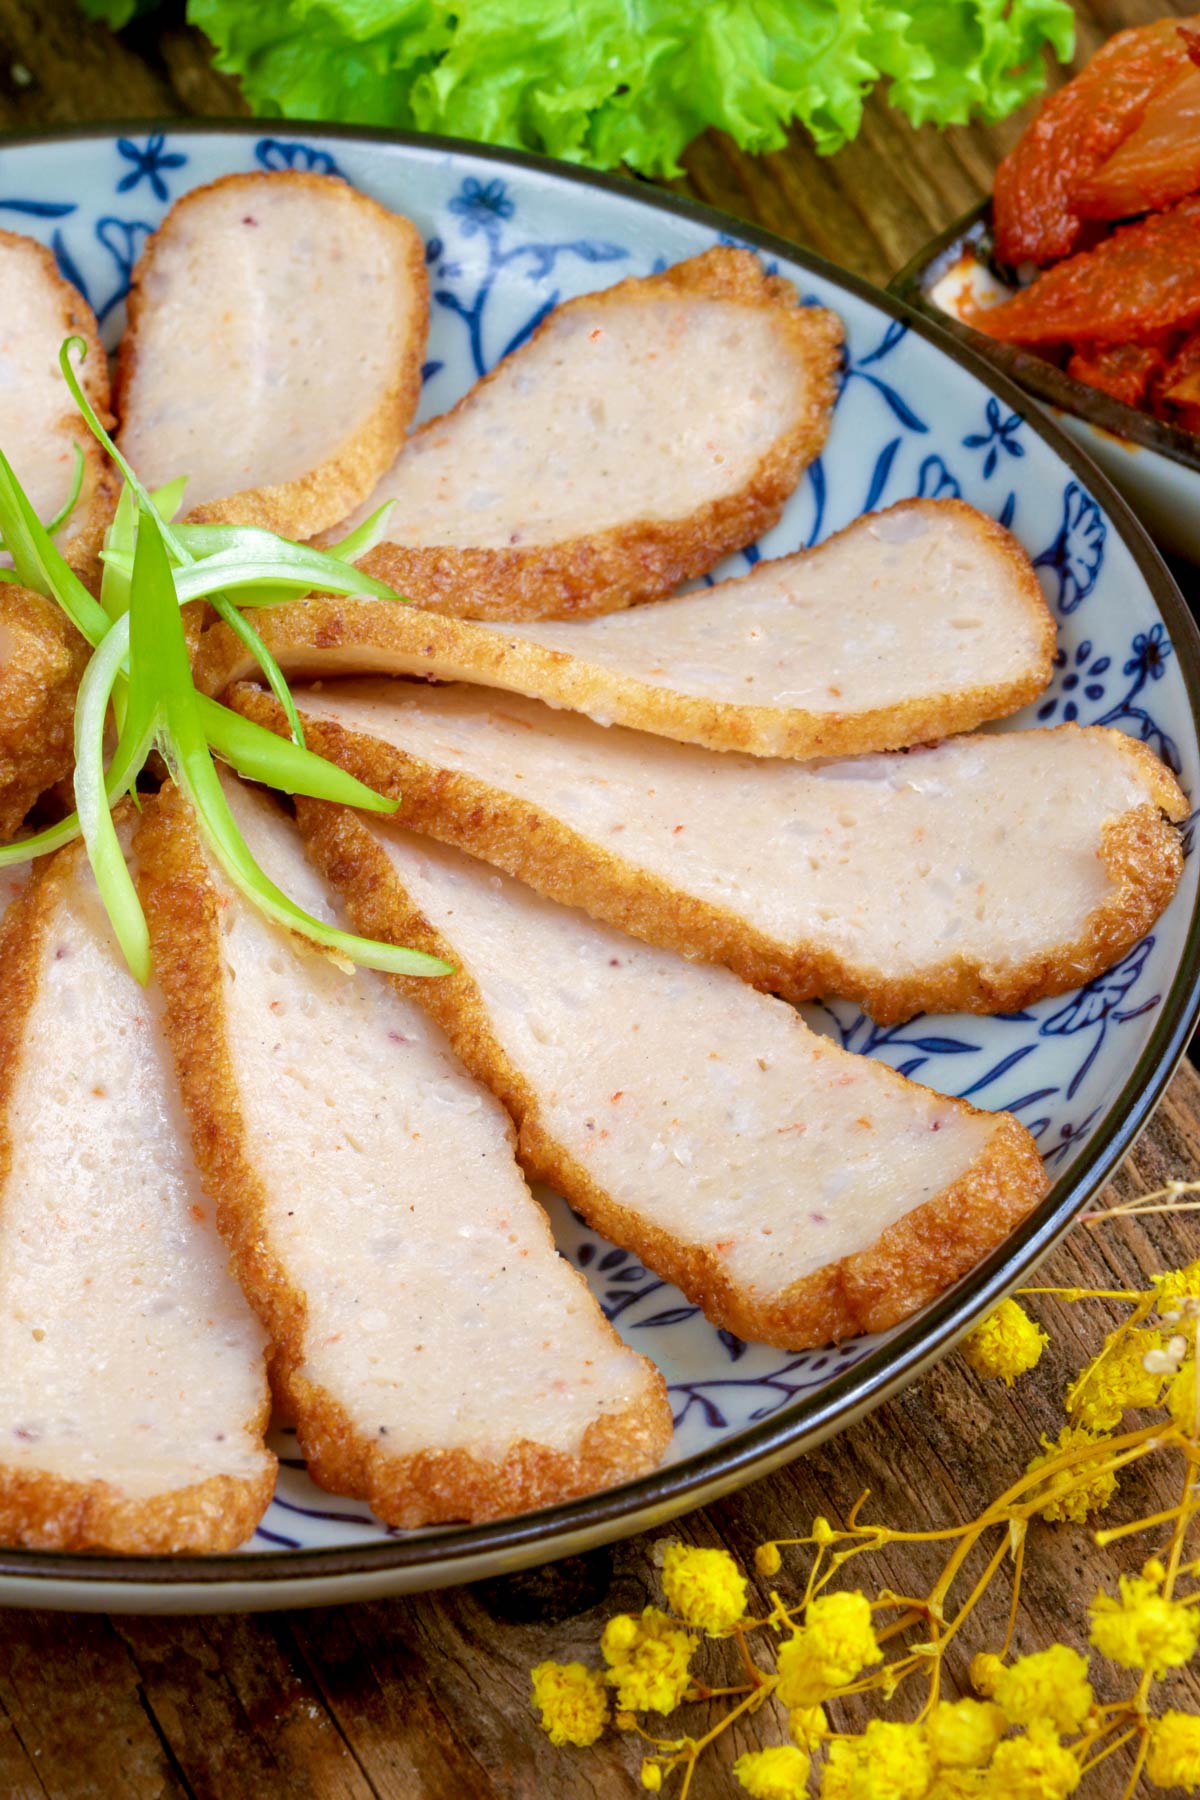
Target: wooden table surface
x=426, y=1699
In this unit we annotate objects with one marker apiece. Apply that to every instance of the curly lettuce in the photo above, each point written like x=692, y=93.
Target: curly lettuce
x=606, y=82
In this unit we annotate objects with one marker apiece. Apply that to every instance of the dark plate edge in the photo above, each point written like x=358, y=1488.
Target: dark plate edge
x=883, y=1372
x=1044, y=380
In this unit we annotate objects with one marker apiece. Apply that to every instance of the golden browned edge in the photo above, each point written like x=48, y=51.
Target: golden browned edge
x=98, y=495
x=183, y=909
x=619, y=567
x=1140, y=851
x=327, y=493
x=41, y=1511
x=913, y=1260
x=356, y=637
x=39, y=677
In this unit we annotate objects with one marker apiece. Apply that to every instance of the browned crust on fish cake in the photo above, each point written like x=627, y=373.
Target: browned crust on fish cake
x=336, y=637
x=47, y=1512
x=98, y=494
x=607, y=570
x=42, y=1511
x=918, y=1257
x=327, y=493
x=1140, y=850
x=183, y=910
x=42, y=657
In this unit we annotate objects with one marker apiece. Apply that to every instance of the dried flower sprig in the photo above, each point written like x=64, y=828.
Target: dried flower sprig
x=1033, y=1730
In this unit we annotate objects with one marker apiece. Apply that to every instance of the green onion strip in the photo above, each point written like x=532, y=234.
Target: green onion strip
x=140, y=672
x=158, y=649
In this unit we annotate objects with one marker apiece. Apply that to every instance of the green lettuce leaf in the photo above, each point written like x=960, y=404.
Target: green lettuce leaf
x=611, y=81
x=954, y=58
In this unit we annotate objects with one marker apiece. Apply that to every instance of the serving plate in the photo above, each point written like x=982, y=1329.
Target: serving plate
x=1155, y=465
x=507, y=237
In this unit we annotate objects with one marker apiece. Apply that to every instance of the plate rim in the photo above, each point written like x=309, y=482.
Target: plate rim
x=919, y=1343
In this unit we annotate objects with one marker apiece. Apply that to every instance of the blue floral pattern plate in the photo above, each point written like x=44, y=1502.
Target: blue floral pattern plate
x=507, y=239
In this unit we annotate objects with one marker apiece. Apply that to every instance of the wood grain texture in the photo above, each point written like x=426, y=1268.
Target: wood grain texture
x=426, y=1699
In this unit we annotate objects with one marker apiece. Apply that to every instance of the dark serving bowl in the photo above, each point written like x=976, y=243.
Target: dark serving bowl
x=1156, y=466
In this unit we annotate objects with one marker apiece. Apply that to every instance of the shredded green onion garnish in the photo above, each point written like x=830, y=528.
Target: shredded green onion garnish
x=159, y=658
x=68, y=506
x=38, y=563
x=72, y=500
x=223, y=607
x=372, y=531
x=91, y=800
x=141, y=674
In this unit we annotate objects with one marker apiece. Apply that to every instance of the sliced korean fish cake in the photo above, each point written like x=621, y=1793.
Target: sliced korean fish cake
x=41, y=433
x=273, y=352
x=975, y=875
x=133, y=1389
x=910, y=624
x=439, y=1358
x=47, y=442
x=640, y=435
x=797, y=1193
x=42, y=657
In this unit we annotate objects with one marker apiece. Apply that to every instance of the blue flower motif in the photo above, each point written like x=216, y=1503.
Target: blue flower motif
x=1146, y=664
x=704, y=1400
x=1069, y=1136
x=861, y=367
x=275, y=153
x=1077, y=552
x=935, y=482
x=40, y=209
x=1099, y=1004
x=1100, y=998
x=123, y=239
x=1150, y=652
x=1082, y=667
x=68, y=268
x=481, y=205
x=880, y=474
x=626, y=1283
x=1000, y=436
x=148, y=164
x=894, y=334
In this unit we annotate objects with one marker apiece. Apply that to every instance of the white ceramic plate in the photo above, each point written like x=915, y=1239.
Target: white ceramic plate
x=507, y=238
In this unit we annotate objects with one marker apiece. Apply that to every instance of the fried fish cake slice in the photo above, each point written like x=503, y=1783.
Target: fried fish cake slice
x=797, y=1193
x=42, y=657
x=908, y=625
x=640, y=435
x=133, y=1389
x=273, y=352
x=41, y=433
x=974, y=875
x=439, y=1358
